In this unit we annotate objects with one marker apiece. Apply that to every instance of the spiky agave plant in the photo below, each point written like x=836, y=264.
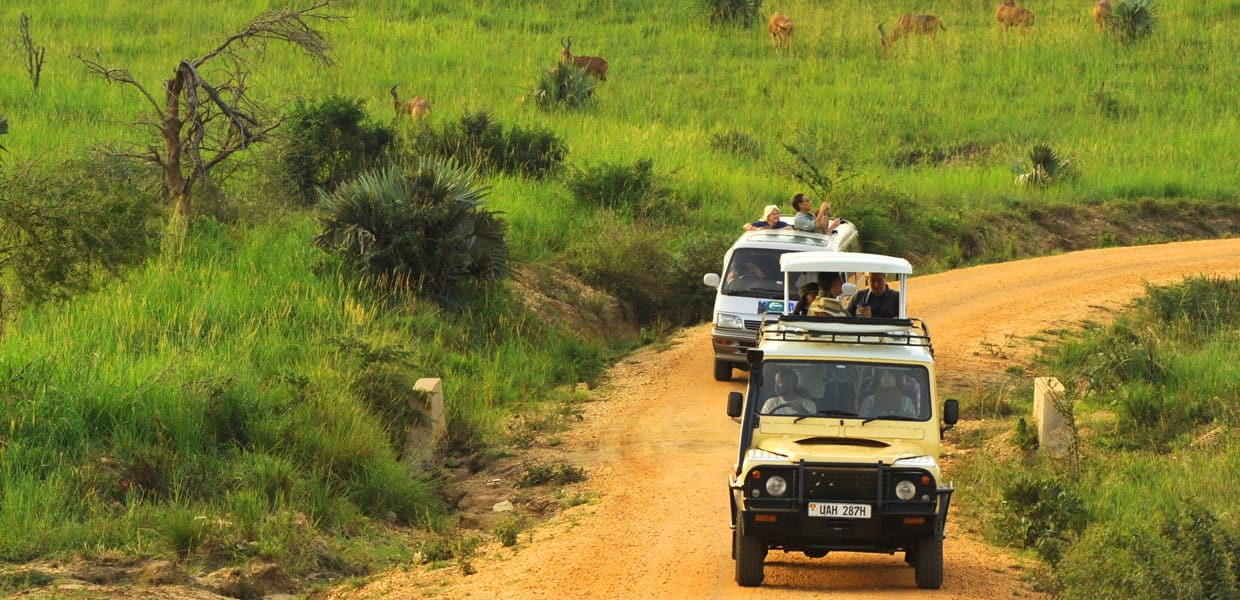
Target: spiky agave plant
x=1046, y=167
x=563, y=86
x=423, y=228
x=1132, y=20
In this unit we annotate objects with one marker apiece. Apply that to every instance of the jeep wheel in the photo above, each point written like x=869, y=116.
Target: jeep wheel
x=723, y=370
x=750, y=552
x=928, y=561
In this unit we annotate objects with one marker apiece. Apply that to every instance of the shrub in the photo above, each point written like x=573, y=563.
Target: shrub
x=563, y=86
x=478, y=141
x=62, y=230
x=739, y=12
x=329, y=143
x=1043, y=514
x=627, y=189
x=423, y=229
x=1191, y=554
x=1132, y=20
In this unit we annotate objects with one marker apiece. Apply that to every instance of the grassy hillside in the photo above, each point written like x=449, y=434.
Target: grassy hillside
x=174, y=413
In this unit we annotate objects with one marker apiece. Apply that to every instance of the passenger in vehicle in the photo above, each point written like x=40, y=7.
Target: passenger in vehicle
x=808, y=293
x=887, y=400
x=770, y=219
x=831, y=285
x=788, y=400
x=877, y=300
x=806, y=220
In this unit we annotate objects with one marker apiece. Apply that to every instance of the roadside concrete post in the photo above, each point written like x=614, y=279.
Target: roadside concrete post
x=1053, y=435
x=426, y=429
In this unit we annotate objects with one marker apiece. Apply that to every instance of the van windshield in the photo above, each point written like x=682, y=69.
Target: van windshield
x=754, y=272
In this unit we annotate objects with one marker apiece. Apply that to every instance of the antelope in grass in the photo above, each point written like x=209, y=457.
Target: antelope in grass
x=416, y=108
x=911, y=25
x=780, y=27
x=596, y=66
x=1102, y=13
x=1010, y=15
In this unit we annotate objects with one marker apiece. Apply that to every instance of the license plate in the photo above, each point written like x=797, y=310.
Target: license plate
x=836, y=510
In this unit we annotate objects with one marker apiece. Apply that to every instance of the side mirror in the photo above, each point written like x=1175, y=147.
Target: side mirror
x=735, y=401
x=951, y=413
x=711, y=279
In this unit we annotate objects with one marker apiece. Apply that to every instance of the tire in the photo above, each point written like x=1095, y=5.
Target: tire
x=750, y=553
x=928, y=561
x=723, y=370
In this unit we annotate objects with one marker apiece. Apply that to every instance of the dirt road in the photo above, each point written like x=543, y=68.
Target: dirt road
x=657, y=448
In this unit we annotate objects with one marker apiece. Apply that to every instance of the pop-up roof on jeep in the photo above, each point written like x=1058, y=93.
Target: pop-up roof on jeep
x=818, y=261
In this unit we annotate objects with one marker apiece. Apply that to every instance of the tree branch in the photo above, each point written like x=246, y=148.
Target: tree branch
x=120, y=76
x=285, y=25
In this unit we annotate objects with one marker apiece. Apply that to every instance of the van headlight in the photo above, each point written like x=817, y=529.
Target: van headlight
x=776, y=486
x=905, y=490
x=726, y=321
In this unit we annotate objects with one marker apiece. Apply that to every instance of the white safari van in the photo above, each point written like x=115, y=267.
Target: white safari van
x=752, y=284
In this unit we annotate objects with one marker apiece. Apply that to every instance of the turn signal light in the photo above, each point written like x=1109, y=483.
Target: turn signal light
x=764, y=518
x=914, y=520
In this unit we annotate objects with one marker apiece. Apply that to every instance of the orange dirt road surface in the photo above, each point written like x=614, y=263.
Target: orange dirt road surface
x=657, y=447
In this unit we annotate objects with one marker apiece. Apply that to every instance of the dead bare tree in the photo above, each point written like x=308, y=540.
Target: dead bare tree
x=204, y=120
x=34, y=56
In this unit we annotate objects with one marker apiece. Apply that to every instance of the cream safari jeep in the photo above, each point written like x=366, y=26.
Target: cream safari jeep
x=840, y=432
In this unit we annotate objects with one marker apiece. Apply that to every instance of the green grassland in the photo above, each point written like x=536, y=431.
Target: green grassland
x=231, y=403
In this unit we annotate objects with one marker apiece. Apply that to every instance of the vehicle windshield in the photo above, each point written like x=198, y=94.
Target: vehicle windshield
x=754, y=272
x=869, y=391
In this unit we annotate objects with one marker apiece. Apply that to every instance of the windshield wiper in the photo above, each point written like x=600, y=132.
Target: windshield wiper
x=891, y=418
x=826, y=413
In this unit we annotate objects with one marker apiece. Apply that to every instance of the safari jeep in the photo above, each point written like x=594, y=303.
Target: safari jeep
x=751, y=279
x=840, y=433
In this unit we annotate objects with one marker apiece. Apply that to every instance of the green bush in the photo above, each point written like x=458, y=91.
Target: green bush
x=63, y=230
x=563, y=86
x=1132, y=20
x=627, y=189
x=423, y=229
x=739, y=12
x=328, y=143
x=482, y=143
x=1192, y=554
x=1045, y=514
x=1197, y=309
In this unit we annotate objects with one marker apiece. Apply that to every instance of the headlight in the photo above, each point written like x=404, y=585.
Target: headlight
x=905, y=490
x=776, y=486
x=726, y=321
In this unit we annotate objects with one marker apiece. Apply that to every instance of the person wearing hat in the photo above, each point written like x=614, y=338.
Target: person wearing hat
x=808, y=293
x=830, y=286
x=770, y=219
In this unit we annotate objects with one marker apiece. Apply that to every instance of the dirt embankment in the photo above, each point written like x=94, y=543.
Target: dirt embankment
x=657, y=447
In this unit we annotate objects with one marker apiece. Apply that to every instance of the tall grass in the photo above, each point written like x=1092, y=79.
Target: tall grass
x=198, y=408
x=1157, y=403
x=676, y=79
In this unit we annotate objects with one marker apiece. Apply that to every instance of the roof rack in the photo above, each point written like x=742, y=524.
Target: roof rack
x=849, y=330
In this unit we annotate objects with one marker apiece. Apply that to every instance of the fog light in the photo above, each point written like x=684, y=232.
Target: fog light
x=776, y=486
x=905, y=490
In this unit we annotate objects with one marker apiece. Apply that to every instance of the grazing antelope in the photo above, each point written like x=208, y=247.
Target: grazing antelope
x=911, y=25
x=780, y=27
x=416, y=108
x=1102, y=12
x=1010, y=15
x=596, y=66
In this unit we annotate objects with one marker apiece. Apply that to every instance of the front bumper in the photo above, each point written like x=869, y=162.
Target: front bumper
x=732, y=344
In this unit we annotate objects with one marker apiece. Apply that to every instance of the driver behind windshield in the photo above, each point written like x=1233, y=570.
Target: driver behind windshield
x=788, y=400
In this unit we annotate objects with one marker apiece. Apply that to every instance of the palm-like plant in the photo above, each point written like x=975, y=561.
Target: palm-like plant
x=1132, y=20
x=423, y=229
x=563, y=86
x=1046, y=167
